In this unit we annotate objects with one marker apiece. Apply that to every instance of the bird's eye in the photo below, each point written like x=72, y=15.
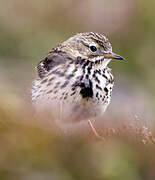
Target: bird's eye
x=93, y=48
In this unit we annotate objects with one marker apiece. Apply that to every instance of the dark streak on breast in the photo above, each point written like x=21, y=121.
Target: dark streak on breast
x=96, y=78
x=106, y=90
x=86, y=89
x=98, y=87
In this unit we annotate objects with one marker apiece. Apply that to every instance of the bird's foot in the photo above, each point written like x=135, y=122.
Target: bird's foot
x=94, y=131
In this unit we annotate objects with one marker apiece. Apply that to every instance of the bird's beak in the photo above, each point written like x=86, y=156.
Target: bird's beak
x=113, y=56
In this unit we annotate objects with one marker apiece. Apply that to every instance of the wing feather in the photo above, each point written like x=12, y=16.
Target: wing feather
x=53, y=59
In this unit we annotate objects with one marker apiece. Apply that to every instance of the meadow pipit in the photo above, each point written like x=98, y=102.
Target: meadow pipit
x=75, y=77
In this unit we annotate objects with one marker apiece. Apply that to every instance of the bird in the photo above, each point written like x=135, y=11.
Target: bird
x=74, y=79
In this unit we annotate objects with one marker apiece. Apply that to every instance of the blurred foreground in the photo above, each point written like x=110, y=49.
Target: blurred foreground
x=31, y=149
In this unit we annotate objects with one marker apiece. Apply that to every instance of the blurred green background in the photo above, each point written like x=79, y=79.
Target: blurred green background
x=28, y=30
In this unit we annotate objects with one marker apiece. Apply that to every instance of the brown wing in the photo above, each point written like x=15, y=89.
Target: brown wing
x=54, y=58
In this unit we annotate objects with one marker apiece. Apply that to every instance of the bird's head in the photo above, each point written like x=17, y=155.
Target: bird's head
x=94, y=47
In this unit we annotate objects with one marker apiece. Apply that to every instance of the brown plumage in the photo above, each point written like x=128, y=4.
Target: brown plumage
x=74, y=77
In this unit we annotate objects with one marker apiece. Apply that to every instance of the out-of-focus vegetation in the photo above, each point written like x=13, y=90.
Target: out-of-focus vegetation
x=32, y=152
x=29, y=150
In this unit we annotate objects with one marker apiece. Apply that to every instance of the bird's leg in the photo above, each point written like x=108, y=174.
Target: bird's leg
x=94, y=131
